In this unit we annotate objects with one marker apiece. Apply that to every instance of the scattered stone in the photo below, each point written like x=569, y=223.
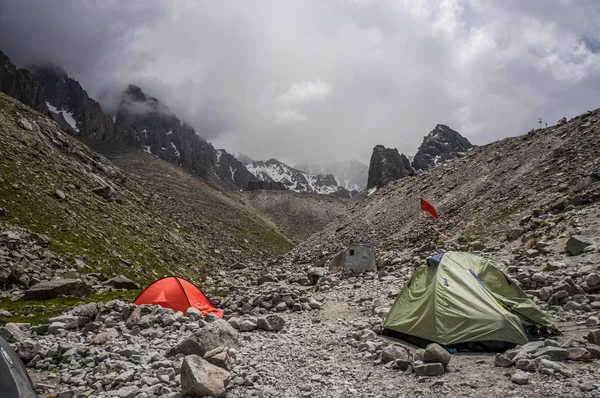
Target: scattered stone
x=520, y=377
x=577, y=244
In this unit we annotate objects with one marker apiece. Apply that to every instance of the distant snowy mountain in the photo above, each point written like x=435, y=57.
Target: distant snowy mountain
x=351, y=175
x=296, y=180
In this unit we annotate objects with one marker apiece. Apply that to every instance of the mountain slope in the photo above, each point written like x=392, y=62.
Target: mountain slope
x=296, y=180
x=159, y=221
x=296, y=215
x=484, y=195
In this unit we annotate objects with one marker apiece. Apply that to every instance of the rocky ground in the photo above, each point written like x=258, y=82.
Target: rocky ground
x=287, y=337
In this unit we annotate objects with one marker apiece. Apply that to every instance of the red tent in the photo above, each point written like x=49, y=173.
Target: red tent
x=178, y=294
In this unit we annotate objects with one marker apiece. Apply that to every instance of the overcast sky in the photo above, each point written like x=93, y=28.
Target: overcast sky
x=314, y=80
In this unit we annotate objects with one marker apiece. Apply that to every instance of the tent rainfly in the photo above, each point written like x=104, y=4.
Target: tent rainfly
x=356, y=259
x=460, y=300
x=177, y=294
x=14, y=380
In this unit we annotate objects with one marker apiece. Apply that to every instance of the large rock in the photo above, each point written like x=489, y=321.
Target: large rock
x=188, y=346
x=200, y=378
x=218, y=357
x=576, y=244
x=216, y=334
x=393, y=352
x=58, y=287
x=429, y=369
x=435, y=353
x=122, y=282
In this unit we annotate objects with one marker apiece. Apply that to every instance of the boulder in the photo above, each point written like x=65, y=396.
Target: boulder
x=271, y=323
x=429, y=369
x=577, y=244
x=435, y=353
x=47, y=290
x=579, y=354
x=200, y=378
x=188, y=346
x=216, y=334
x=393, y=352
x=122, y=282
x=218, y=357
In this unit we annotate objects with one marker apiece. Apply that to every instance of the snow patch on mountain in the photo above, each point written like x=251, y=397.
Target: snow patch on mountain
x=67, y=115
x=295, y=180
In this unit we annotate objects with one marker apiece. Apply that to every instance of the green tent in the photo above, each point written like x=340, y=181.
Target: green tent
x=463, y=301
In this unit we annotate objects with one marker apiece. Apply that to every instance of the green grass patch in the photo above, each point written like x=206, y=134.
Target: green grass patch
x=37, y=312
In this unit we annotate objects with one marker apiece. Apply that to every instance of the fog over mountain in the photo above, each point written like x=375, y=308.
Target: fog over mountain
x=321, y=81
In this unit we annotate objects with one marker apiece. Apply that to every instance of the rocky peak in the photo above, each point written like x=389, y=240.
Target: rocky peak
x=387, y=165
x=20, y=84
x=71, y=106
x=441, y=144
x=146, y=123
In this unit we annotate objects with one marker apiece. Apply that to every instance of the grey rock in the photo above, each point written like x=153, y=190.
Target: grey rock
x=122, y=282
x=218, y=357
x=577, y=244
x=435, y=353
x=199, y=378
x=394, y=352
x=271, y=323
x=579, y=354
x=593, y=337
x=247, y=326
x=216, y=334
x=503, y=361
x=429, y=369
x=520, y=377
x=555, y=353
x=58, y=287
x=188, y=346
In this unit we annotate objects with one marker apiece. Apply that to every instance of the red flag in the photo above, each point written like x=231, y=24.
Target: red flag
x=426, y=206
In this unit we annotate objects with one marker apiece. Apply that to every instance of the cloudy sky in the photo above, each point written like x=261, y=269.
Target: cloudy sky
x=315, y=80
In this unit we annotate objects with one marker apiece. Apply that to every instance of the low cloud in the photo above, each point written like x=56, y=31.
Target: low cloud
x=313, y=81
